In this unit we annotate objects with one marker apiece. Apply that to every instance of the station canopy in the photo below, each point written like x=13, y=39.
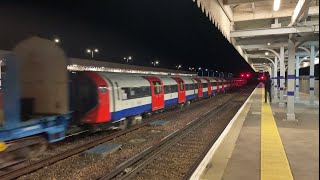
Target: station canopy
x=254, y=27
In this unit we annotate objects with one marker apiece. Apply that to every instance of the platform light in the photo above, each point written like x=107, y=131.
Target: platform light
x=268, y=44
x=266, y=53
x=56, y=40
x=92, y=51
x=276, y=5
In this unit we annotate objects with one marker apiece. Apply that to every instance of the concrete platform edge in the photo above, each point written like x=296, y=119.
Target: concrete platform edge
x=202, y=166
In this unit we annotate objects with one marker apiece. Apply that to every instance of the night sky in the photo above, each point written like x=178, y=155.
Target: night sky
x=172, y=31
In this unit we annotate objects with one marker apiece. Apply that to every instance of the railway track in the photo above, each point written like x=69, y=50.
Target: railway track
x=23, y=168
x=159, y=157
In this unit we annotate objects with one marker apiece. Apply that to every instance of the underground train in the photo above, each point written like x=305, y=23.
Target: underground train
x=106, y=100
x=39, y=106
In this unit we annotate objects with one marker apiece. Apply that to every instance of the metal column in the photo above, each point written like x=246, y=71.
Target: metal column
x=282, y=74
x=290, y=79
x=275, y=79
x=297, y=77
x=312, y=57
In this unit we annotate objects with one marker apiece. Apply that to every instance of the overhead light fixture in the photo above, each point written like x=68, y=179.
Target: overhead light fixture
x=266, y=53
x=276, y=5
x=268, y=44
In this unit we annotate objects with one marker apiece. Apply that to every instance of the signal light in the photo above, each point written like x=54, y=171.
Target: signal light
x=242, y=75
x=248, y=75
x=262, y=78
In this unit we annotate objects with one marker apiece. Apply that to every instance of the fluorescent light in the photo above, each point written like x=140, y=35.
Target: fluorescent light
x=266, y=53
x=276, y=5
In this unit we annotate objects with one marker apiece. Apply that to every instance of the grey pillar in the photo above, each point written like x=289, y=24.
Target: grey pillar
x=282, y=74
x=290, y=79
x=297, y=77
x=275, y=79
x=312, y=57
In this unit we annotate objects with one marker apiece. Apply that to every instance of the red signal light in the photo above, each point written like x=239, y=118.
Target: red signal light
x=262, y=77
x=248, y=75
x=242, y=75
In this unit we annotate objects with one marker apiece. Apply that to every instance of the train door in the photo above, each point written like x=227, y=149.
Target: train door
x=181, y=90
x=200, y=91
x=209, y=86
x=101, y=112
x=157, y=92
x=223, y=84
x=218, y=86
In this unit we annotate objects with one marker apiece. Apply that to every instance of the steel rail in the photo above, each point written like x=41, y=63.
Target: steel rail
x=146, y=157
x=15, y=173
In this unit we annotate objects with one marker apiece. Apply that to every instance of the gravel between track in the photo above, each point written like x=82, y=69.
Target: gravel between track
x=83, y=166
x=176, y=162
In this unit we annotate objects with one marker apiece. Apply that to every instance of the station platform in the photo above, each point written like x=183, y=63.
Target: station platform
x=259, y=143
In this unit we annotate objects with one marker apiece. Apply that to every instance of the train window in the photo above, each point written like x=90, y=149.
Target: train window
x=157, y=87
x=118, y=93
x=189, y=87
x=181, y=86
x=174, y=88
x=170, y=89
x=135, y=92
x=195, y=86
x=124, y=94
x=204, y=85
x=167, y=89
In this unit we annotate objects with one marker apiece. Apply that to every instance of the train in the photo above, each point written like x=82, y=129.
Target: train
x=110, y=100
x=38, y=107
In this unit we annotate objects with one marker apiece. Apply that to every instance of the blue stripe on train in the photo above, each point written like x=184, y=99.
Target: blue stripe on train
x=191, y=96
x=147, y=107
x=171, y=101
x=130, y=112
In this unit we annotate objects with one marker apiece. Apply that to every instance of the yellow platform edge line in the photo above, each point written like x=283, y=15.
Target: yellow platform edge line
x=274, y=162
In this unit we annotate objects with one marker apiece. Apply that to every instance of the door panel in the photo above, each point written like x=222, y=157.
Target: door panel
x=181, y=90
x=209, y=86
x=200, y=92
x=157, y=93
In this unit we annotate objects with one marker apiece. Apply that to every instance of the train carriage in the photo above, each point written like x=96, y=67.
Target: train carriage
x=220, y=85
x=170, y=91
x=191, y=88
x=214, y=85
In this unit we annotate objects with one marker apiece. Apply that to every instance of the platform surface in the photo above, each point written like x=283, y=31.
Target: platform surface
x=261, y=144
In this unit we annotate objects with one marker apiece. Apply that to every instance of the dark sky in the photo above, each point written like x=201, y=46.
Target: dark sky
x=173, y=31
